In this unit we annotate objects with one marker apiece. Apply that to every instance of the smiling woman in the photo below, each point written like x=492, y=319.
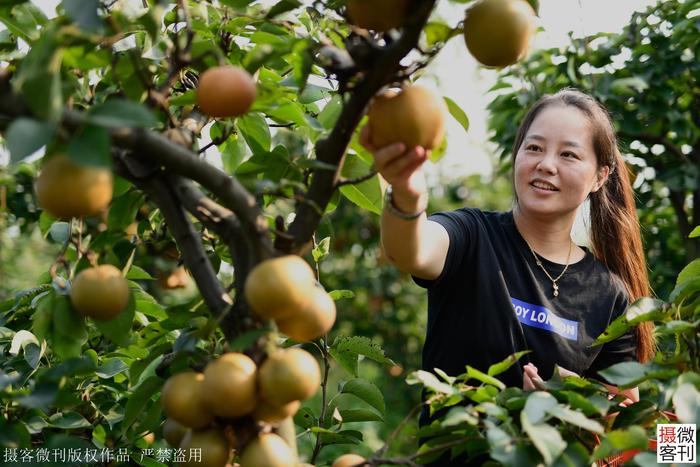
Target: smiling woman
x=503, y=282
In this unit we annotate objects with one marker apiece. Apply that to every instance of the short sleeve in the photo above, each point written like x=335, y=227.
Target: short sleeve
x=622, y=349
x=460, y=226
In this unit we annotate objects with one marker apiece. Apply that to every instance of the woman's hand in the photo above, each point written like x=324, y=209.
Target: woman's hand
x=531, y=379
x=401, y=167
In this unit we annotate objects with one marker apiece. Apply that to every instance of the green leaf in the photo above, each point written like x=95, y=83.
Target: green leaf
x=338, y=294
x=457, y=112
x=368, y=194
x=576, y=418
x=685, y=290
x=430, y=381
x=365, y=391
x=123, y=210
x=537, y=405
x=360, y=415
x=282, y=6
x=121, y=113
x=322, y=249
x=630, y=374
x=118, y=329
x=500, y=367
x=691, y=270
x=695, y=233
x=69, y=421
x=641, y=310
x=137, y=273
x=686, y=402
x=546, y=439
x=84, y=13
x=25, y=136
x=330, y=113
x=254, y=129
x=137, y=401
x=91, y=146
x=346, y=351
x=484, y=378
x=635, y=437
x=111, y=367
x=41, y=397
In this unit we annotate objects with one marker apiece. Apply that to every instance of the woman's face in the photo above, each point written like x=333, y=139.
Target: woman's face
x=555, y=167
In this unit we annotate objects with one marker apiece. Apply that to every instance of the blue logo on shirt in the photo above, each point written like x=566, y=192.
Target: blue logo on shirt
x=540, y=317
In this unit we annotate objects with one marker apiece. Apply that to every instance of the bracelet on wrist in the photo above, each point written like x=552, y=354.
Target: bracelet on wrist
x=391, y=207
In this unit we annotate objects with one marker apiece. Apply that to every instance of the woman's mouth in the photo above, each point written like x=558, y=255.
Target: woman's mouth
x=542, y=185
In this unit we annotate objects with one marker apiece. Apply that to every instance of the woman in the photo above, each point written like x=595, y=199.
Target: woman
x=502, y=282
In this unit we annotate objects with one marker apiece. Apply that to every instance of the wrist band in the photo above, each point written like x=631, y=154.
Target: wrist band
x=391, y=207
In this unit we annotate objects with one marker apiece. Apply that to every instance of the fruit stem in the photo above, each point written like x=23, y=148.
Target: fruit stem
x=324, y=396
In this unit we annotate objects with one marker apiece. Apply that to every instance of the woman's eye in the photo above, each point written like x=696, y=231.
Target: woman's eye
x=569, y=155
x=532, y=147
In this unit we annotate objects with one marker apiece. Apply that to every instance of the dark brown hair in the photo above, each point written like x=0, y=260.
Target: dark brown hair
x=615, y=231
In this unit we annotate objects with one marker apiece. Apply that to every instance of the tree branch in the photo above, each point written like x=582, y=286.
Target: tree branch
x=331, y=150
x=678, y=202
x=224, y=223
x=182, y=230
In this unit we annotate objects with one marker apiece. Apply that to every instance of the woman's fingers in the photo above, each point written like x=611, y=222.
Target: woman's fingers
x=403, y=165
x=365, y=139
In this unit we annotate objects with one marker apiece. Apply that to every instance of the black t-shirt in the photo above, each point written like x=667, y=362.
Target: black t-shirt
x=492, y=300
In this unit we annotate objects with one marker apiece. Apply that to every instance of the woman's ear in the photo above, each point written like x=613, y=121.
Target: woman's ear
x=601, y=178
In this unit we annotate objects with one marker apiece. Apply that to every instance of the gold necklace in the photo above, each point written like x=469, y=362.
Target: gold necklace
x=555, y=287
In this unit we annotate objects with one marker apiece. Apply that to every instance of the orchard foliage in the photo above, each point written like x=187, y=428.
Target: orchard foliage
x=198, y=203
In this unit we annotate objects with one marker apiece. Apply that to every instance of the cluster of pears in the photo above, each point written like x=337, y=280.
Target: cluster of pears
x=285, y=289
x=230, y=387
x=497, y=32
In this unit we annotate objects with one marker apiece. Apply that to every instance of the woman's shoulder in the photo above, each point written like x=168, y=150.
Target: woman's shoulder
x=476, y=214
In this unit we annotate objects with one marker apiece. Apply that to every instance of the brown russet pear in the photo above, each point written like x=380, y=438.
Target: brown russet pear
x=288, y=375
x=414, y=116
x=349, y=460
x=271, y=413
x=183, y=400
x=279, y=287
x=65, y=189
x=268, y=450
x=312, y=322
x=230, y=385
x=100, y=292
x=173, y=432
x=498, y=32
x=225, y=91
x=210, y=443
x=378, y=15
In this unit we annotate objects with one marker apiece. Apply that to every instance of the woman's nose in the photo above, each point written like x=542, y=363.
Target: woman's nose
x=548, y=163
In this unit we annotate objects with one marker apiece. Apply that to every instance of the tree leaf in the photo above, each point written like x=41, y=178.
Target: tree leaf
x=500, y=367
x=69, y=421
x=138, y=400
x=84, y=13
x=457, y=112
x=121, y=113
x=111, y=367
x=484, y=378
x=365, y=391
x=91, y=146
x=575, y=418
x=254, y=129
x=686, y=401
x=430, y=381
x=25, y=136
x=537, y=406
x=546, y=439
